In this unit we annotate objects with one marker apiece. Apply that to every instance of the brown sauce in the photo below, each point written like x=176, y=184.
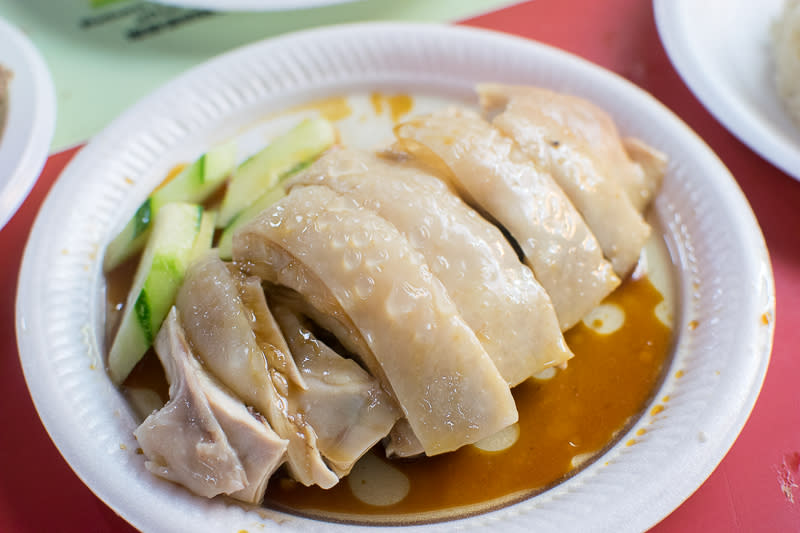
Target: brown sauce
x=399, y=104
x=581, y=410
x=578, y=412
x=333, y=109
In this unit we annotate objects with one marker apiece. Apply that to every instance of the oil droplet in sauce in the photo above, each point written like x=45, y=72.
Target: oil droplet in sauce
x=605, y=318
x=580, y=459
x=376, y=482
x=333, y=108
x=377, y=102
x=502, y=440
x=547, y=373
x=664, y=314
x=574, y=414
x=398, y=104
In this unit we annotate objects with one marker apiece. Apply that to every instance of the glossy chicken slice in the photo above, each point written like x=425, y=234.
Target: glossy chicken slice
x=637, y=167
x=218, y=327
x=260, y=450
x=495, y=176
x=575, y=141
x=402, y=442
x=496, y=294
x=653, y=164
x=204, y=438
x=347, y=407
x=268, y=334
x=183, y=441
x=351, y=264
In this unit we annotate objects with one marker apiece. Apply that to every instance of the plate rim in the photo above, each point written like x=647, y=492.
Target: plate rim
x=671, y=497
x=34, y=110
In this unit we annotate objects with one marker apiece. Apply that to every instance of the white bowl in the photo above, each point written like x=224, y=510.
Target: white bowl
x=31, y=120
x=724, y=286
x=723, y=51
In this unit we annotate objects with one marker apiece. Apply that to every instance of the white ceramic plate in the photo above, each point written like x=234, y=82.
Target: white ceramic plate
x=722, y=49
x=30, y=122
x=725, y=285
x=250, y=5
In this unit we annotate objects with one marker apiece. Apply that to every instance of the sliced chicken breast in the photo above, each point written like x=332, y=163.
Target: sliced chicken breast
x=204, y=438
x=356, y=267
x=493, y=175
x=218, y=328
x=497, y=295
x=561, y=134
x=347, y=407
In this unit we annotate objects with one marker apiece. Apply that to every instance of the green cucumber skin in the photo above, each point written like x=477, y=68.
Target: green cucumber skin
x=205, y=234
x=152, y=305
x=225, y=245
x=194, y=184
x=199, y=180
x=264, y=170
x=158, y=277
x=141, y=220
x=131, y=239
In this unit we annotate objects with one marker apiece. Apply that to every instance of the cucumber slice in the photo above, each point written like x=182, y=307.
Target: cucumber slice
x=205, y=235
x=162, y=266
x=264, y=170
x=194, y=184
x=225, y=244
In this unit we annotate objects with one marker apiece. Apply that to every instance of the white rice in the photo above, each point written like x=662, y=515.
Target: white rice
x=786, y=50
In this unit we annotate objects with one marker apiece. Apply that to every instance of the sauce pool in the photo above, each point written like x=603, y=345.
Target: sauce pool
x=577, y=413
x=574, y=414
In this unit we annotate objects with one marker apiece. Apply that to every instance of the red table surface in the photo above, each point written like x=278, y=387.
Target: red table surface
x=755, y=487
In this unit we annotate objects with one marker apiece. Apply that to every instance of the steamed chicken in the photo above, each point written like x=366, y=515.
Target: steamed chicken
x=396, y=297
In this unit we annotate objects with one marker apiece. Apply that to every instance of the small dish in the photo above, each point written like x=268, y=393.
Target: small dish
x=723, y=51
x=25, y=140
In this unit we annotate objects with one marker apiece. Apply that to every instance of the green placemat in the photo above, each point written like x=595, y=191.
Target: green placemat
x=106, y=54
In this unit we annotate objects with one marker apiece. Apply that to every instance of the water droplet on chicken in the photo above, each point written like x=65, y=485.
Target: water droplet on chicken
x=364, y=286
x=352, y=259
x=360, y=238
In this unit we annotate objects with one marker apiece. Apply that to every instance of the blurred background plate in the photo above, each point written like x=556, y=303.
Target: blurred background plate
x=722, y=50
x=25, y=141
x=250, y=5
